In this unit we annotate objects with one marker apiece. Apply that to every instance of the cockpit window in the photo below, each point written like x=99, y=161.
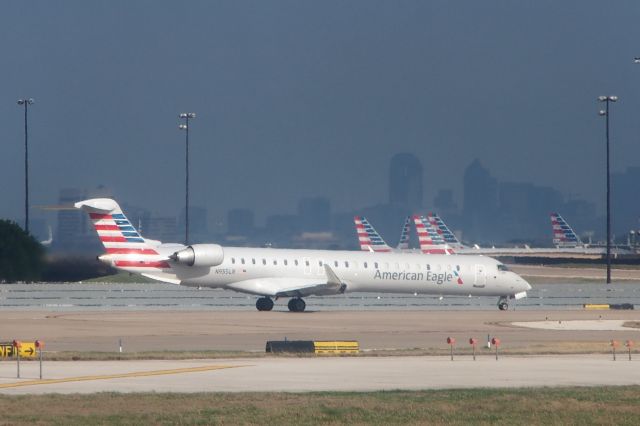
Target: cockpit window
x=502, y=267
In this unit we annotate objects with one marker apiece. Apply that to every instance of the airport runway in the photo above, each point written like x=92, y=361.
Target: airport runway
x=319, y=374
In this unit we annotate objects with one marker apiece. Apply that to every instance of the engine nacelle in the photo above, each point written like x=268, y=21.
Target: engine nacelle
x=200, y=255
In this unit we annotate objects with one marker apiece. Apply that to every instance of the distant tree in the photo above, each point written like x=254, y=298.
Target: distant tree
x=21, y=256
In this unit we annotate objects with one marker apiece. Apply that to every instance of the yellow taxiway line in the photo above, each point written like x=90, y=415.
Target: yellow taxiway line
x=117, y=376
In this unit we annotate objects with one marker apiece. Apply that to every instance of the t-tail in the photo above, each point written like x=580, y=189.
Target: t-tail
x=124, y=247
x=368, y=237
x=430, y=241
x=563, y=234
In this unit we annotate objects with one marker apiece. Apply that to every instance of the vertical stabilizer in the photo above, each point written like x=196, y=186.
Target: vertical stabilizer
x=368, y=237
x=563, y=234
x=403, y=244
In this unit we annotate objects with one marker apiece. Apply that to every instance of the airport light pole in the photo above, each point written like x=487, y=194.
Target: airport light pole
x=26, y=102
x=185, y=126
x=605, y=112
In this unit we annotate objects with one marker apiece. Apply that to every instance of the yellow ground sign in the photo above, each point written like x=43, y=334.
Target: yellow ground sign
x=27, y=350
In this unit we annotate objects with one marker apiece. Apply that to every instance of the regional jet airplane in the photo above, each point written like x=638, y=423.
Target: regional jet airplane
x=275, y=273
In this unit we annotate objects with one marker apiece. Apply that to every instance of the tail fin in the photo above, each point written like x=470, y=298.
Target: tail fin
x=125, y=247
x=403, y=244
x=563, y=235
x=443, y=230
x=369, y=239
x=430, y=241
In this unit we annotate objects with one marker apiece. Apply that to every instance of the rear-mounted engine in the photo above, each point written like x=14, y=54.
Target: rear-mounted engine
x=199, y=255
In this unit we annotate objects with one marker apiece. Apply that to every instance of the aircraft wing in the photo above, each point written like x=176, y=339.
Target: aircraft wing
x=291, y=287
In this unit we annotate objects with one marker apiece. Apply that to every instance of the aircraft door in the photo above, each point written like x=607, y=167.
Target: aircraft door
x=480, y=276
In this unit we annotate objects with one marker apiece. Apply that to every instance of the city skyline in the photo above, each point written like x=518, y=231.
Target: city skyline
x=300, y=99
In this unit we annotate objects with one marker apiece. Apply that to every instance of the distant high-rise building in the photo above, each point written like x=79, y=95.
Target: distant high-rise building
x=314, y=214
x=240, y=222
x=164, y=229
x=625, y=201
x=405, y=182
x=480, y=205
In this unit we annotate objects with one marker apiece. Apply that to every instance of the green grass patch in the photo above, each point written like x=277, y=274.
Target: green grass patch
x=556, y=406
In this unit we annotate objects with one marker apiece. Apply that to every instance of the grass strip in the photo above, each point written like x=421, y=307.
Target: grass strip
x=548, y=406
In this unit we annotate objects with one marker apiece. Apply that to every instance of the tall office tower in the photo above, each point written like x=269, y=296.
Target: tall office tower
x=405, y=182
x=480, y=208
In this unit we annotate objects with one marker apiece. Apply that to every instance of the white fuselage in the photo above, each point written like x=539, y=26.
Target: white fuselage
x=243, y=268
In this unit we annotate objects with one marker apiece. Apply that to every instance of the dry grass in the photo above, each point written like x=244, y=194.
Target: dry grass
x=600, y=406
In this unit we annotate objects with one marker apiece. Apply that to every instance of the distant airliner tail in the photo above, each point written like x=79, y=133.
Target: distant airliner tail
x=368, y=237
x=563, y=234
x=403, y=244
x=430, y=241
x=443, y=230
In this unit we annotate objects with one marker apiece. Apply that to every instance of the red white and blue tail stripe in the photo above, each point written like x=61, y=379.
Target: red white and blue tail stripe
x=430, y=241
x=403, y=244
x=443, y=230
x=368, y=237
x=125, y=248
x=563, y=235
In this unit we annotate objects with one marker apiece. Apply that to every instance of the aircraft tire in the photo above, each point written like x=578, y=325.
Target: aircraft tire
x=503, y=306
x=264, y=304
x=296, y=305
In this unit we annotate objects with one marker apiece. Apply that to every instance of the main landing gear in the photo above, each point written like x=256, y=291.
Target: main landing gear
x=502, y=303
x=296, y=305
x=264, y=304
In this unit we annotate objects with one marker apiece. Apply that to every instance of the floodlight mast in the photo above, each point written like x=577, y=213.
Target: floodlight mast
x=605, y=113
x=186, y=116
x=25, y=103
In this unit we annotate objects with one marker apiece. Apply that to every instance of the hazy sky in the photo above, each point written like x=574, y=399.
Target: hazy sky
x=301, y=98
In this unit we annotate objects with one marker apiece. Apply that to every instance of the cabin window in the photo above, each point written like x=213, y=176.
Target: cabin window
x=242, y=260
x=253, y=261
x=365, y=265
x=375, y=265
x=458, y=268
x=275, y=261
x=285, y=262
x=264, y=261
x=306, y=262
x=296, y=262
x=428, y=267
x=502, y=267
x=233, y=260
x=335, y=262
x=346, y=264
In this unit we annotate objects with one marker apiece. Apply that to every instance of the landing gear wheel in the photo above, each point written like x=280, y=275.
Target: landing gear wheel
x=264, y=304
x=297, y=305
x=503, y=306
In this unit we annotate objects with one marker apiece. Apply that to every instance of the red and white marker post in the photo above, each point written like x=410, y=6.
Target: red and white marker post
x=496, y=342
x=473, y=342
x=39, y=346
x=17, y=344
x=451, y=342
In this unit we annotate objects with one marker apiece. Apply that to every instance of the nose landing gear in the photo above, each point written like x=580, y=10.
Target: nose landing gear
x=502, y=303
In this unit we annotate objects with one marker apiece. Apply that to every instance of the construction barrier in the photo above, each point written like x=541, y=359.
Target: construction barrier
x=331, y=347
x=27, y=350
x=615, y=306
x=337, y=347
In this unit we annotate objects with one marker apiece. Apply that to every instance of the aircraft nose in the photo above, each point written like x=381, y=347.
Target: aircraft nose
x=525, y=285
